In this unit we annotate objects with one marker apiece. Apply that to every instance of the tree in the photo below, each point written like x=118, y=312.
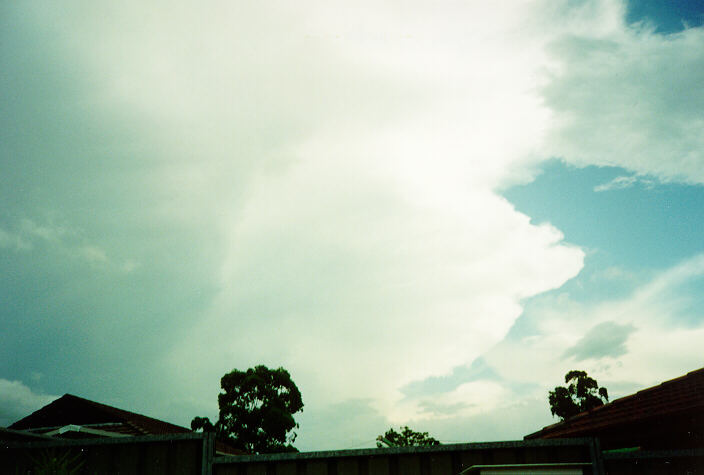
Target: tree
x=405, y=438
x=203, y=423
x=581, y=394
x=256, y=410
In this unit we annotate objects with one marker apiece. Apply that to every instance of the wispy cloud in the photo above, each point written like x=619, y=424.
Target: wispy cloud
x=10, y=240
x=46, y=232
x=622, y=182
x=29, y=235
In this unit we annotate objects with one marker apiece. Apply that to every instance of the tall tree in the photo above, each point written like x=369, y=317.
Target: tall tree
x=406, y=437
x=582, y=393
x=256, y=410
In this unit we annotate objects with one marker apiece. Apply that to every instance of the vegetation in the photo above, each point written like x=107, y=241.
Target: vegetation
x=406, y=437
x=582, y=393
x=256, y=410
x=57, y=462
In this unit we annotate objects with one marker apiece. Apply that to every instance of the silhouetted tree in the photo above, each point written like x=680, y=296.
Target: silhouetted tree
x=405, y=438
x=256, y=410
x=202, y=423
x=581, y=394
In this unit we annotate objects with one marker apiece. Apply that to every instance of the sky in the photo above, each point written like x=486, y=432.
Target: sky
x=428, y=212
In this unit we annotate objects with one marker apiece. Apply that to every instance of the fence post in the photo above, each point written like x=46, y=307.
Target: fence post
x=208, y=452
x=597, y=458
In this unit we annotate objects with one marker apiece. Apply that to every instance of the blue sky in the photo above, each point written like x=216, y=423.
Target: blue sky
x=666, y=17
x=428, y=215
x=645, y=225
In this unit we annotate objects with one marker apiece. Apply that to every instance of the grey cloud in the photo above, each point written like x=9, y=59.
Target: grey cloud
x=349, y=424
x=17, y=400
x=509, y=421
x=434, y=408
x=117, y=251
x=604, y=339
x=10, y=240
x=478, y=370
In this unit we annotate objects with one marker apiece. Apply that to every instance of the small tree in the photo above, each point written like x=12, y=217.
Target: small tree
x=202, y=423
x=256, y=410
x=405, y=438
x=581, y=394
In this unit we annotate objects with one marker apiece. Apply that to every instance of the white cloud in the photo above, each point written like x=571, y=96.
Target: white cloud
x=659, y=316
x=622, y=182
x=358, y=293
x=18, y=400
x=629, y=98
x=352, y=179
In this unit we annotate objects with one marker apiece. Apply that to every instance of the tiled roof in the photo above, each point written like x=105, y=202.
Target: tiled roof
x=679, y=397
x=69, y=409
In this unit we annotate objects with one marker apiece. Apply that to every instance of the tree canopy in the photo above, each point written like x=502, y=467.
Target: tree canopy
x=406, y=437
x=256, y=410
x=582, y=393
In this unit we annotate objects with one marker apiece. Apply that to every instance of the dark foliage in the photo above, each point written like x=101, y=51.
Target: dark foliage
x=582, y=393
x=256, y=410
x=202, y=423
x=405, y=438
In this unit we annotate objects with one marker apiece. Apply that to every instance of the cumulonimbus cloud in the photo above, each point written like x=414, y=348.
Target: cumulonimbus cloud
x=329, y=174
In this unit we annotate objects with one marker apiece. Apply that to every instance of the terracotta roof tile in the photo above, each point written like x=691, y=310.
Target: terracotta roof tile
x=676, y=397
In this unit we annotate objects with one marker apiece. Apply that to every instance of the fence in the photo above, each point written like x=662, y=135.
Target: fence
x=449, y=459
x=179, y=454
x=191, y=454
x=688, y=461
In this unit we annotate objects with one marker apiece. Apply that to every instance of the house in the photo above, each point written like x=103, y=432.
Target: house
x=105, y=439
x=667, y=416
x=73, y=417
x=656, y=430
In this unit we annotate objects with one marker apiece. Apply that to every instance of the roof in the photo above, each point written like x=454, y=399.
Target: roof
x=73, y=410
x=675, y=405
x=7, y=435
x=75, y=417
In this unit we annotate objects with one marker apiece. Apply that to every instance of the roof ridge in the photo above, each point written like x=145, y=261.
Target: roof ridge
x=126, y=414
x=138, y=423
